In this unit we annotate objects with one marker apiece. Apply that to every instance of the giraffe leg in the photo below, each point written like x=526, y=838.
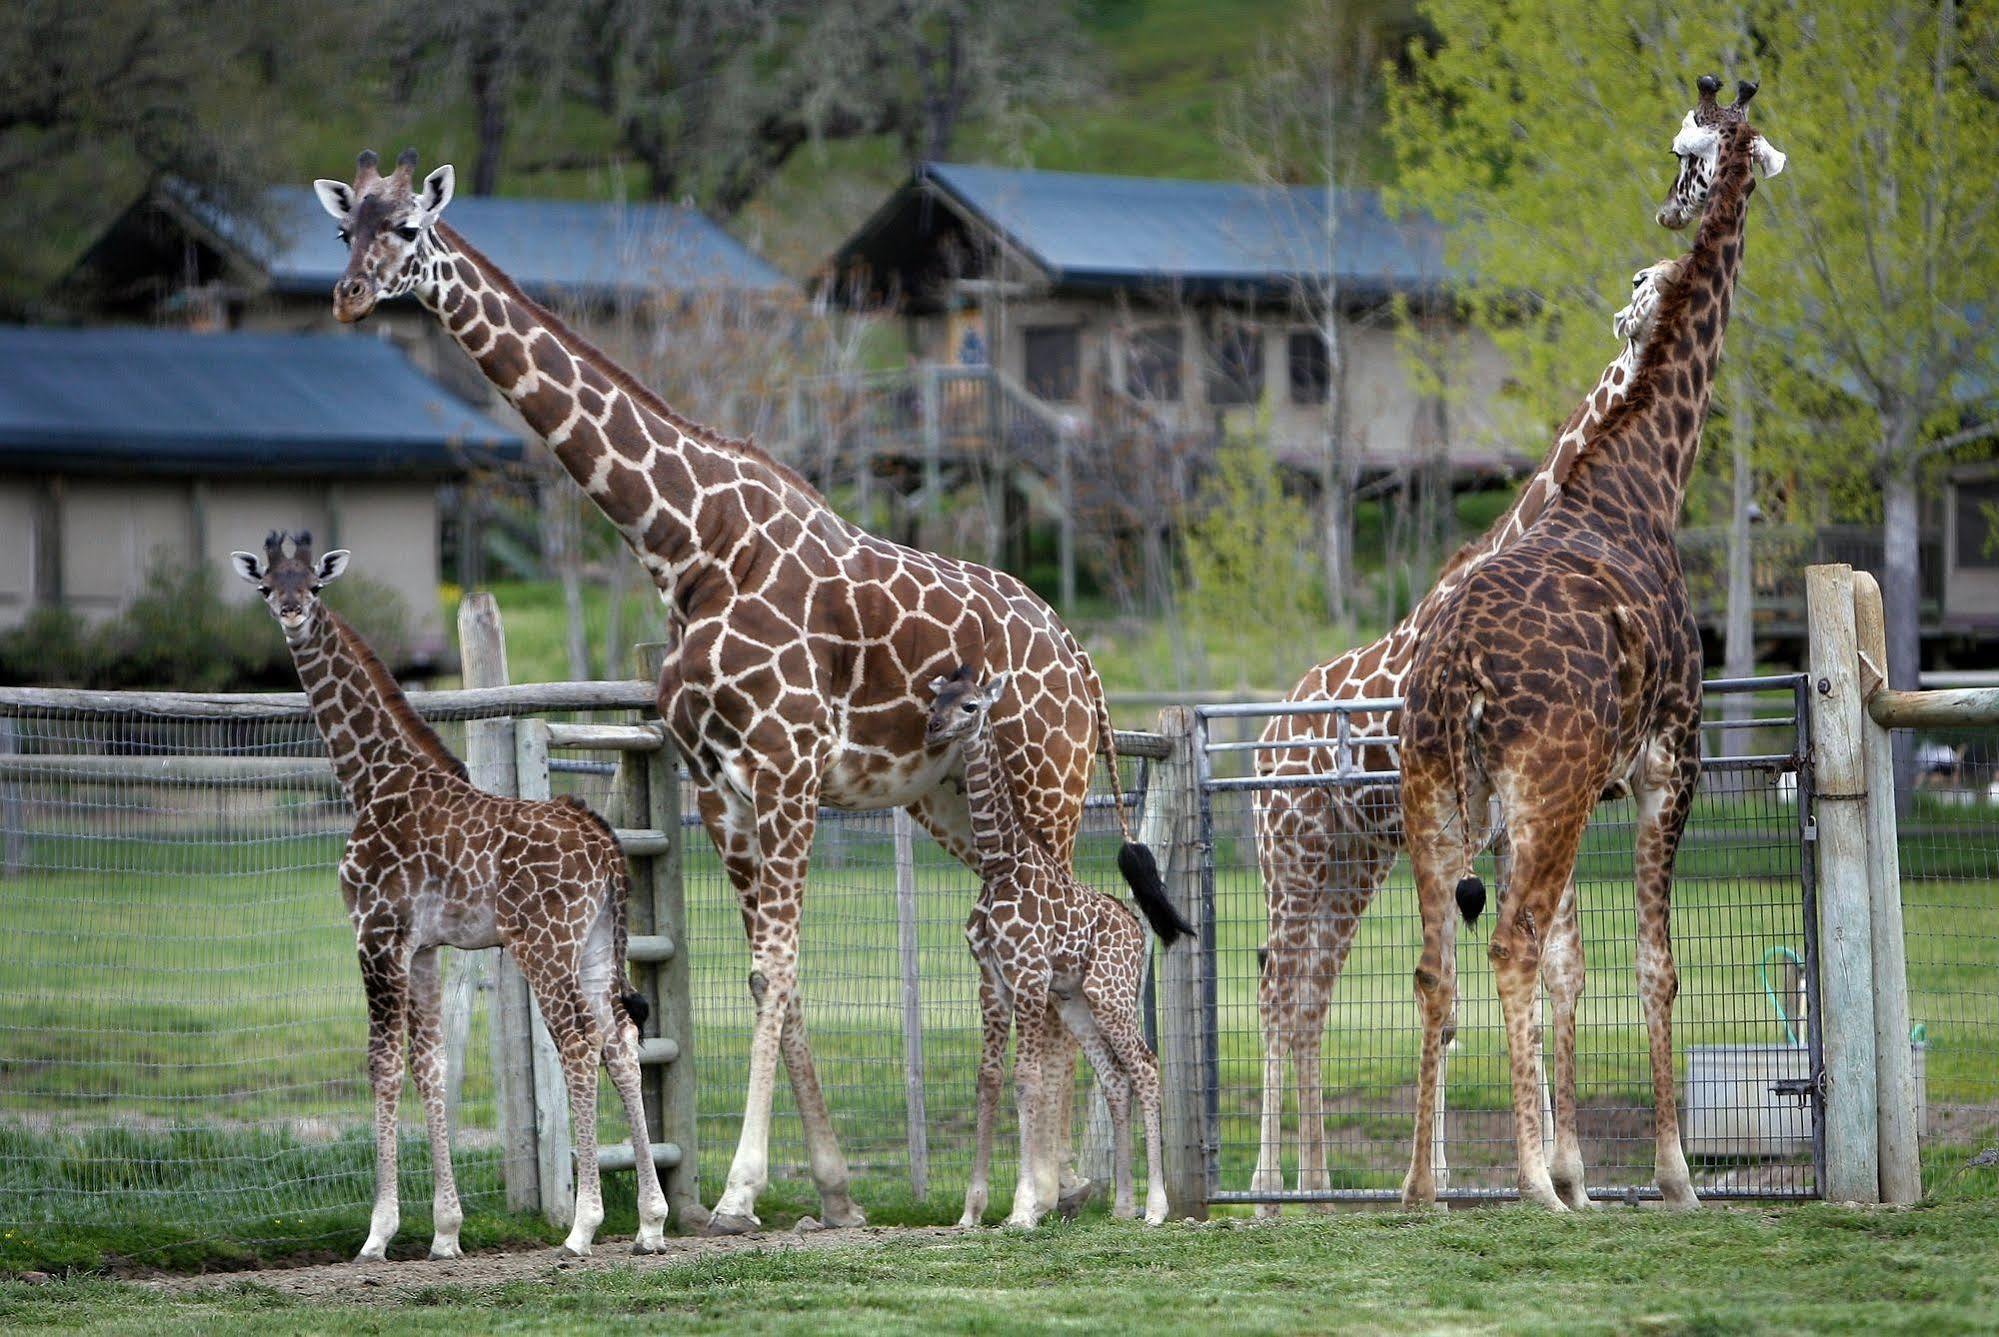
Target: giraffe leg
x=1664, y=801
x=1562, y=973
x=1068, y=1190
x=602, y=983
x=1116, y=1015
x=385, y=976
x=1079, y=1017
x=822, y=1145
x=427, y=1060
x=1291, y=856
x=1544, y=858
x=1437, y=855
x=1030, y=1061
x=995, y=1021
x=572, y=1025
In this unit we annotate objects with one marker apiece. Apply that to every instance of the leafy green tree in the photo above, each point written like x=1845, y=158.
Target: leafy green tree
x=1540, y=126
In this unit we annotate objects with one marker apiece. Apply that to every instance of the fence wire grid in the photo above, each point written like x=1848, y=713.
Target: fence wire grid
x=1741, y=930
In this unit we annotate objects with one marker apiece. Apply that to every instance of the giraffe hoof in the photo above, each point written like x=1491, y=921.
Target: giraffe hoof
x=731, y=1223
x=649, y=1244
x=842, y=1215
x=373, y=1253
x=444, y=1250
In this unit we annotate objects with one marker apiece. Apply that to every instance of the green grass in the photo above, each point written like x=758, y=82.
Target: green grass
x=1805, y=1269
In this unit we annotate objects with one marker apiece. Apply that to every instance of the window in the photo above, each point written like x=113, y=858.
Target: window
x=1311, y=368
x=1152, y=364
x=1977, y=532
x=1236, y=375
x=1054, y=355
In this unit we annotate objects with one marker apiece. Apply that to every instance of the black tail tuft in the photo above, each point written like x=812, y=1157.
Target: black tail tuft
x=1471, y=897
x=637, y=1008
x=1141, y=873
x=1262, y=961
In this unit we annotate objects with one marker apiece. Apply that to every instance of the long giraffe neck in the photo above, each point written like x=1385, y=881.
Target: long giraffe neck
x=1638, y=462
x=682, y=497
x=1540, y=490
x=997, y=833
x=370, y=727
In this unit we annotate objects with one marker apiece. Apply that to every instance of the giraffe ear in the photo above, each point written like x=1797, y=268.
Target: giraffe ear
x=436, y=192
x=997, y=688
x=249, y=566
x=336, y=197
x=1769, y=160
x=939, y=684
x=331, y=565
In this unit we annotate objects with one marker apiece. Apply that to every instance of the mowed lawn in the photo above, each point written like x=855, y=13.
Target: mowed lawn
x=1804, y=1269
x=181, y=1070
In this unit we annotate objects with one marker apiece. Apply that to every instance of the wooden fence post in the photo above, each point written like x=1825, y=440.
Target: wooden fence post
x=13, y=812
x=673, y=1094
x=1845, y=933
x=1169, y=828
x=489, y=758
x=1896, y=1095
x=908, y=943
x=553, y=1149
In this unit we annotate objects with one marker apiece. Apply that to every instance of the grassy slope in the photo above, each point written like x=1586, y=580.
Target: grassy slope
x=1810, y=1269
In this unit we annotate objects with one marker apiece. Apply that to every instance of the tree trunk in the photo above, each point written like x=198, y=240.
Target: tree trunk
x=489, y=97
x=1335, y=484
x=1901, y=593
x=1739, y=630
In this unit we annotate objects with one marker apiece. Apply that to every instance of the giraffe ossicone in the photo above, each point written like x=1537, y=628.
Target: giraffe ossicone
x=801, y=645
x=1057, y=958
x=433, y=862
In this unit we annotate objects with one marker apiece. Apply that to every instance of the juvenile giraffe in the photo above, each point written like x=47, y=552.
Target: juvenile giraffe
x=801, y=643
x=1325, y=850
x=1569, y=665
x=435, y=862
x=1057, y=955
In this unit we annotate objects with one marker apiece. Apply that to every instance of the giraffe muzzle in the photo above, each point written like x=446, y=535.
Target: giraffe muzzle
x=353, y=298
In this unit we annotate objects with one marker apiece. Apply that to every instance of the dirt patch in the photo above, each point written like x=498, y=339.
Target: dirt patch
x=396, y=1282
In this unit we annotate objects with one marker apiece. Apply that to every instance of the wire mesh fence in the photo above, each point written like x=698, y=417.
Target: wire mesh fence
x=182, y=1028
x=1741, y=934
x=181, y=1020
x=1949, y=839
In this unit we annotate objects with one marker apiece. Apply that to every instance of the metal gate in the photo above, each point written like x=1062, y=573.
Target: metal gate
x=1746, y=1034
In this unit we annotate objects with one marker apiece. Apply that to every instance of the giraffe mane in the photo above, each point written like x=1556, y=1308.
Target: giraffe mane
x=585, y=351
x=414, y=726
x=1732, y=184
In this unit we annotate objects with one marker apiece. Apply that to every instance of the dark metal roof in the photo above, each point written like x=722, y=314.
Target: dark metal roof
x=170, y=401
x=552, y=248
x=1087, y=230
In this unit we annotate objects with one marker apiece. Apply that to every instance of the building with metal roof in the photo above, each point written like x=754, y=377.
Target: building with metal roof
x=121, y=449
x=1193, y=305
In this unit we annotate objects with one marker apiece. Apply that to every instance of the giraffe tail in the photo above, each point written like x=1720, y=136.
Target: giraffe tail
x=1134, y=860
x=637, y=1009
x=1462, y=717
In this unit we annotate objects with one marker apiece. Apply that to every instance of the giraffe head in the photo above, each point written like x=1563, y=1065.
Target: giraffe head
x=1633, y=321
x=290, y=581
x=1698, y=148
x=964, y=699
x=385, y=222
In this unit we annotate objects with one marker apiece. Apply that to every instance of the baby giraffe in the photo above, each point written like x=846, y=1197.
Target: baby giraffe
x=434, y=862
x=1057, y=954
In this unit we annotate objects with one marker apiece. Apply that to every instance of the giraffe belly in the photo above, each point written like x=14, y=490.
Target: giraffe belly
x=868, y=780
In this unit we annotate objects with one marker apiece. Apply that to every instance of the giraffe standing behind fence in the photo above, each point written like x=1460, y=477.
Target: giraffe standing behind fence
x=434, y=862
x=1054, y=956
x=1567, y=666
x=1324, y=851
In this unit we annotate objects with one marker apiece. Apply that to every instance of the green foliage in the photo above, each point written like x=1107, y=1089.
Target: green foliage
x=1539, y=132
x=181, y=635
x=1249, y=559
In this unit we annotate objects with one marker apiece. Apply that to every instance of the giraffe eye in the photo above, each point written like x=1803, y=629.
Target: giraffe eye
x=408, y=233
x=969, y=708
x=264, y=590
x=346, y=237
x=317, y=588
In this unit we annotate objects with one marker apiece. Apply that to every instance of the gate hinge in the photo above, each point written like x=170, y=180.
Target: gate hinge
x=1802, y=1089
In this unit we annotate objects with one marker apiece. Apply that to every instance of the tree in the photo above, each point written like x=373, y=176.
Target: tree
x=1306, y=116
x=482, y=49
x=1538, y=125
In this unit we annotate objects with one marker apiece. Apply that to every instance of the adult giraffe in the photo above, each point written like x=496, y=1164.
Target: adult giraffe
x=1568, y=665
x=1324, y=851
x=803, y=646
